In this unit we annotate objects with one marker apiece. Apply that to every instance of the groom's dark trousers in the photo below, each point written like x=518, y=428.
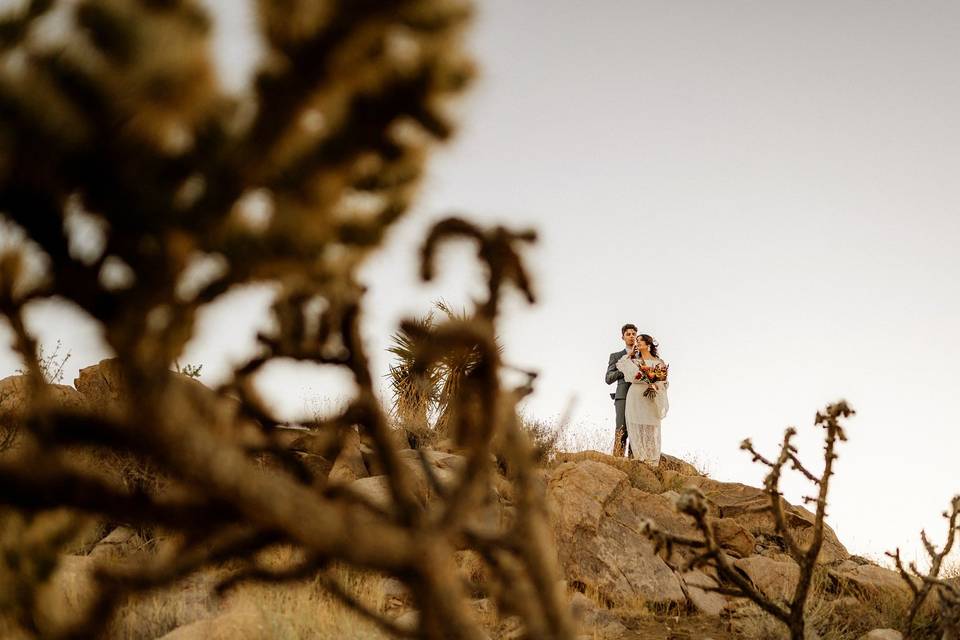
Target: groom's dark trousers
x=619, y=403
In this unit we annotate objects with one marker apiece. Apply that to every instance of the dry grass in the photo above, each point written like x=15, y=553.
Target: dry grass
x=700, y=461
x=834, y=613
x=546, y=437
x=951, y=570
x=297, y=610
x=304, y=610
x=582, y=436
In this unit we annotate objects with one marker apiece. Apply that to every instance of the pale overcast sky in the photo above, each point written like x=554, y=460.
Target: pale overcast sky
x=768, y=188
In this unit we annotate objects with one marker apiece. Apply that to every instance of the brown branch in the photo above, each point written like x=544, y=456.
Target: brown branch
x=692, y=503
x=709, y=552
x=929, y=580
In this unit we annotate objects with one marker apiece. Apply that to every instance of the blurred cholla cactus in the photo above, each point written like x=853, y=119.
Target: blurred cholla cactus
x=143, y=193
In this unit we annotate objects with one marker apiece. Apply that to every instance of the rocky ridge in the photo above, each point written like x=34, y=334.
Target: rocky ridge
x=614, y=578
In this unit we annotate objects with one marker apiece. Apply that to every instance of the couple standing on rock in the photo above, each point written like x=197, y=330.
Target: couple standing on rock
x=641, y=396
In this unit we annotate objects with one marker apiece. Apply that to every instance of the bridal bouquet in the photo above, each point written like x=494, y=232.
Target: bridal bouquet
x=656, y=373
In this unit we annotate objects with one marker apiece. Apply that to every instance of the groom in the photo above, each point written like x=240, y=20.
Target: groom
x=629, y=334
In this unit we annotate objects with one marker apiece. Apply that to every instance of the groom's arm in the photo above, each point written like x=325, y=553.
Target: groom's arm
x=613, y=374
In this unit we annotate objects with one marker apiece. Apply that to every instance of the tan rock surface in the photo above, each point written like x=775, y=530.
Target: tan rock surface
x=707, y=602
x=246, y=623
x=13, y=396
x=774, y=579
x=187, y=401
x=670, y=480
x=641, y=476
x=870, y=582
x=733, y=536
x=376, y=490
x=67, y=593
x=120, y=541
x=743, y=504
x=597, y=515
x=882, y=634
x=684, y=468
x=349, y=465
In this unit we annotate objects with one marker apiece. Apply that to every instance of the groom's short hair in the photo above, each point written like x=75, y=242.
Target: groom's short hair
x=624, y=328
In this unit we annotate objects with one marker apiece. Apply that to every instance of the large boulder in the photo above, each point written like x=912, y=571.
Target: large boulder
x=869, y=582
x=375, y=490
x=641, y=476
x=699, y=588
x=444, y=470
x=122, y=541
x=14, y=392
x=349, y=465
x=733, y=537
x=15, y=404
x=186, y=401
x=102, y=385
x=597, y=514
x=682, y=467
x=748, y=506
x=775, y=579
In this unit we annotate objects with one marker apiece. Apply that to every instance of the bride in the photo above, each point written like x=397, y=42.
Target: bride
x=647, y=402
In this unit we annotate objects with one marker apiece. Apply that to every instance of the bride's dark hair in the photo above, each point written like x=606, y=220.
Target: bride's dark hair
x=651, y=343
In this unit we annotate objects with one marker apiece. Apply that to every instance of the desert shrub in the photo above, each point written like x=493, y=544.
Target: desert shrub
x=587, y=436
x=545, y=436
x=51, y=363
x=51, y=366
x=834, y=613
x=189, y=370
x=951, y=570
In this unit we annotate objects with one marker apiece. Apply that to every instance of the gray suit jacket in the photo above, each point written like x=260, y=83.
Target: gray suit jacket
x=615, y=375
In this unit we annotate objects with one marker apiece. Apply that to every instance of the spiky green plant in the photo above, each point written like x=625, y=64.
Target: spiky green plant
x=415, y=394
x=424, y=394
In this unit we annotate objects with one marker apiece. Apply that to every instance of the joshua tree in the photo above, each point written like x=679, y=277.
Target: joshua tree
x=122, y=127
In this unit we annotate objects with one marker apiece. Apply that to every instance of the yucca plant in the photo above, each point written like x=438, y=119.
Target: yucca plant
x=423, y=394
x=415, y=393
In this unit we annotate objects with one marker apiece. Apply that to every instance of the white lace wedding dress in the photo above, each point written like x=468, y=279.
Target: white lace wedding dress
x=644, y=413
